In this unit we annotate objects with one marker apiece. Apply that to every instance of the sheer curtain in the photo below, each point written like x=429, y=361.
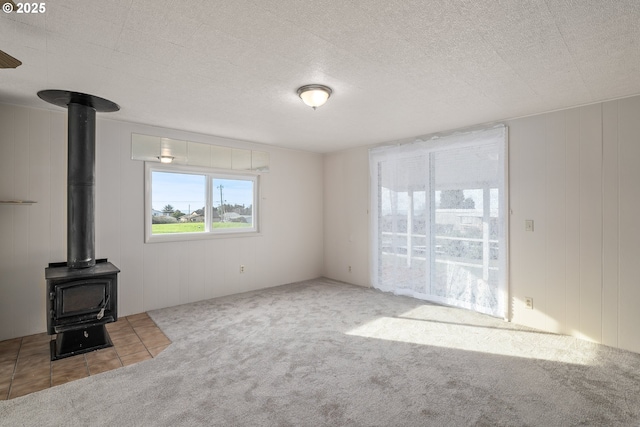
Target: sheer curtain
x=439, y=220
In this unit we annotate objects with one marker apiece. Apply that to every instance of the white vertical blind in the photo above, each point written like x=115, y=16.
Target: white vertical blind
x=439, y=223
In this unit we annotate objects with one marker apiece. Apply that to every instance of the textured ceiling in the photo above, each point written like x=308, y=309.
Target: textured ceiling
x=398, y=68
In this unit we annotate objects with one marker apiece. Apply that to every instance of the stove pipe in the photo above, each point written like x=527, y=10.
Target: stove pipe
x=81, y=163
x=81, y=186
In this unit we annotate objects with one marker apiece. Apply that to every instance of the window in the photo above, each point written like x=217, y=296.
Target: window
x=184, y=203
x=438, y=220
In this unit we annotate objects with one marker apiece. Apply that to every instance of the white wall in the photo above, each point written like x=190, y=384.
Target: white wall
x=154, y=275
x=346, y=216
x=576, y=173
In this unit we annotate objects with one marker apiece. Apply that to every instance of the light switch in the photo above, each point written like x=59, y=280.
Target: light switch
x=528, y=225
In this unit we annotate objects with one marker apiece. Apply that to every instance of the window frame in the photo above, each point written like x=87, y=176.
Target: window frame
x=210, y=174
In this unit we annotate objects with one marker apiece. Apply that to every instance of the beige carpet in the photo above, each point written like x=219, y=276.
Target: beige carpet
x=322, y=353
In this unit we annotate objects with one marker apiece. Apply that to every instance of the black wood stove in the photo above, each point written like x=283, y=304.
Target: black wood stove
x=82, y=293
x=80, y=302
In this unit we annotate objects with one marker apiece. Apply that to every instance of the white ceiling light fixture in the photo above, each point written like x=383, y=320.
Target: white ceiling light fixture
x=314, y=95
x=166, y=159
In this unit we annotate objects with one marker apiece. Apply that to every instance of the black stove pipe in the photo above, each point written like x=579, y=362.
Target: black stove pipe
x=81, y=165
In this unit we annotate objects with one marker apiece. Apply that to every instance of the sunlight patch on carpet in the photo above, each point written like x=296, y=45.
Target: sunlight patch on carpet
x=477, y=338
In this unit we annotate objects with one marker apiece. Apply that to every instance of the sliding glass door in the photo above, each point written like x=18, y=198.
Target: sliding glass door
x=439, y=220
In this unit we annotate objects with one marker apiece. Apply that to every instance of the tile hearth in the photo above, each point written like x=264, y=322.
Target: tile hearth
x=25, y=365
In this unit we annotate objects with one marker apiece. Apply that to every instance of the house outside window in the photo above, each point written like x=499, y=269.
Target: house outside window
x=187, y=203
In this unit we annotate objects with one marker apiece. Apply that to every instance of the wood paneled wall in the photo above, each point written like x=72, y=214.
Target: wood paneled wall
x=33, y=166
x=576, y=173
x=346, y=216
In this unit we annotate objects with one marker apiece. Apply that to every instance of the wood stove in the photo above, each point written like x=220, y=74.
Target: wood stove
x=82, y=293
x=80, y=302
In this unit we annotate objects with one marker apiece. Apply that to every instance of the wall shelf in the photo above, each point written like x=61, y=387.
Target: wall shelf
x=17, y=202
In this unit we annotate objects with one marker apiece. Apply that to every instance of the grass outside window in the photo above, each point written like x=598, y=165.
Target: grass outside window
x=186, y=203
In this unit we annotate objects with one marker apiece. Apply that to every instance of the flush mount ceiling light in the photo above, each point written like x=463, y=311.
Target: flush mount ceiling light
x=314, y=95
x=165, y=159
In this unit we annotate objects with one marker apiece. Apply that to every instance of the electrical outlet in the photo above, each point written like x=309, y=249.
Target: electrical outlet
x=241, y=268
x=528, y=225
x=349, y=269
x=528, y=302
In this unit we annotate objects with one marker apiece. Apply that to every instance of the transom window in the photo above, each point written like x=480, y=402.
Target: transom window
x=184, y=203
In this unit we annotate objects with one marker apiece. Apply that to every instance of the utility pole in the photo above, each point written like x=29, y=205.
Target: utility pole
x=221, y=203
